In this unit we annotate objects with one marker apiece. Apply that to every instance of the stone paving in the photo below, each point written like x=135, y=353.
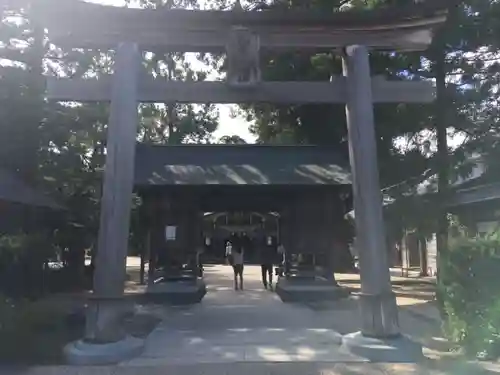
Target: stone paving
x=257, y=368
x=231, y=326
x=253, y=333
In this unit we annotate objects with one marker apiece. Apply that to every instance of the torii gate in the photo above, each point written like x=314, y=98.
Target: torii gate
x=242, y=34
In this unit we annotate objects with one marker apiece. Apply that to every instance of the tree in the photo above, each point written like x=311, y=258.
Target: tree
x=175, y=123
x=464, y=85
x=231, y=140
x=22, y=49
x=58, y=146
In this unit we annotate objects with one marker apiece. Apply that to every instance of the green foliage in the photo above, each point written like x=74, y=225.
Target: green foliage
x=231, y=140
x=26, y=245
x=21, y=82
x=22, y=263
x=12, y=247
x=470, y=290
x=175, y=123
x=31, y=332
x=61, y=147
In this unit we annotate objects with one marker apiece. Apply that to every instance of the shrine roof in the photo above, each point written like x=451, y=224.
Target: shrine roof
x=14, y=190
x=475, y=194
x=239, y=165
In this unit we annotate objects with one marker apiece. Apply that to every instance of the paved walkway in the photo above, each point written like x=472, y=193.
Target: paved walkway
x=253, y=333
x=231, y=326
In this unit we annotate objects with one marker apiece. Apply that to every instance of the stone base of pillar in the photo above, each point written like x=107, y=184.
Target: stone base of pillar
x=379, y=315
x=176, y=292
x=307, y=291
x=104, y=319
x=400, y=349
x=106, y=341
x=380, y=339
x=84, y=353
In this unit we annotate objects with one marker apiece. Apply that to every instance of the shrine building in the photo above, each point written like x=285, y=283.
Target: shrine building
x=298, y=195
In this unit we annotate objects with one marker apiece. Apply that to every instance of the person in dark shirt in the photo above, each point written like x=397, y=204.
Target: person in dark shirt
x=267, y=257
x=246, y=244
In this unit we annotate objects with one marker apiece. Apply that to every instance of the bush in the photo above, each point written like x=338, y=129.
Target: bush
x=33, y=332
x=22, y=259
x=469, y=286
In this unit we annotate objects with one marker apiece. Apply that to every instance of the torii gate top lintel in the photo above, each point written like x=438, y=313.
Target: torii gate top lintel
x=100, y=26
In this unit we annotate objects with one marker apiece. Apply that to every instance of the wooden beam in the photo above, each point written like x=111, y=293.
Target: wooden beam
x=407, y=39
x=145, y=253
x=152, y=255
x=162, y=91
x=97, y=26
x=59, y=14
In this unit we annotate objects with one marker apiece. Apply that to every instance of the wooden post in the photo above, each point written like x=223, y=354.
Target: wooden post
x=422, y=249
x=278, y=229
x=102, y=322
x=145, y=252
x=153, y=246
x=377, y=301
x=405, y=254
x=287, y=233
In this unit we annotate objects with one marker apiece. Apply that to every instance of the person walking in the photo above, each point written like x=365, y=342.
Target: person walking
x=229, y=253
x=200, y=250
x=238, y=266
x=283, y=264
x=267, y=257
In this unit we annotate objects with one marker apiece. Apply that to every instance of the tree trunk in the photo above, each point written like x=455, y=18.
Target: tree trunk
x=171, y=128
x=442, y=145
x=443, y=175
x=438, y=56
x=422, y=248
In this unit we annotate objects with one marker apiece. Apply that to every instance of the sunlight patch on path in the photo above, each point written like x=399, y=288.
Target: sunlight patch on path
x=231, y=326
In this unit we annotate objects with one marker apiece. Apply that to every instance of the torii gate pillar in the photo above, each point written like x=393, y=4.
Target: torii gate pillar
x=105, y=340
x=378, y=308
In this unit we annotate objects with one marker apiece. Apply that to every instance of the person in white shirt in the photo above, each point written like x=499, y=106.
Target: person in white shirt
x=228, y=253
x=237, y=255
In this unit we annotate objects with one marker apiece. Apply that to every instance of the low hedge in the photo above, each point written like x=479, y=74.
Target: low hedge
x=32, y=332
x=469, y=285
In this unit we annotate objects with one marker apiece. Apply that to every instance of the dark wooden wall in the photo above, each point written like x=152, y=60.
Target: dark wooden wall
x=175, y=211
x=311, y=220
x=313, y=224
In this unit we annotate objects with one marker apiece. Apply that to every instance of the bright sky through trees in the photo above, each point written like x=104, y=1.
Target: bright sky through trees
x=228, y=126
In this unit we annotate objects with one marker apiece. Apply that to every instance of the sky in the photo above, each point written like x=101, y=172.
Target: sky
x=227, y=125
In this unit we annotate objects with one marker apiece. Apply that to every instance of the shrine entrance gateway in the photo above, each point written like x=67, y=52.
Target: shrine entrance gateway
x=242, y=35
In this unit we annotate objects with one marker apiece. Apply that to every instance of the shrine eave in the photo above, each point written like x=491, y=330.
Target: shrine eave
x=78, y=24
x=243, y=165
x=14, y=190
